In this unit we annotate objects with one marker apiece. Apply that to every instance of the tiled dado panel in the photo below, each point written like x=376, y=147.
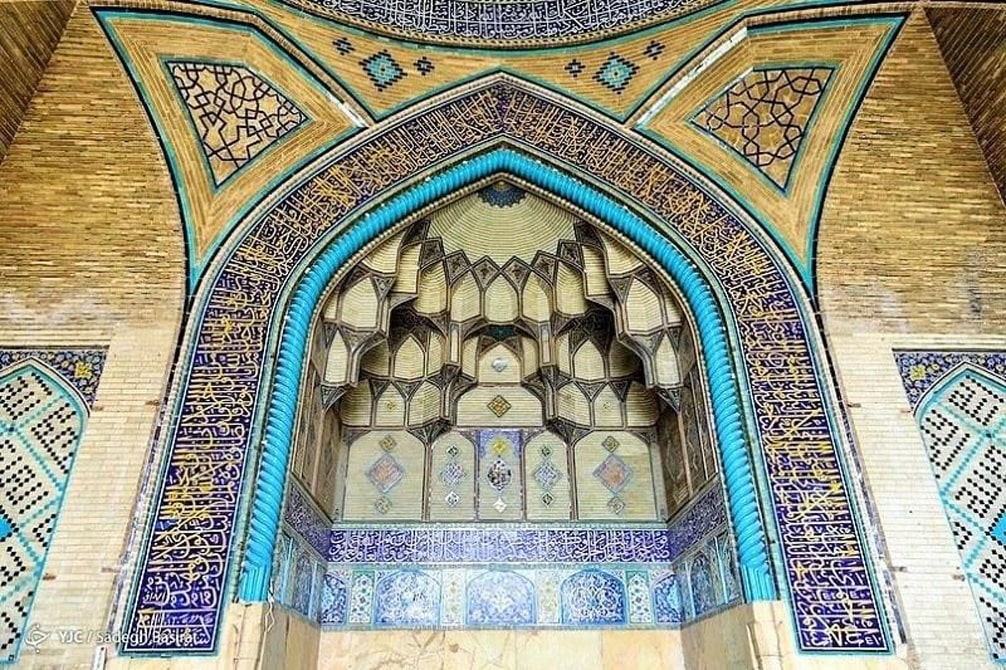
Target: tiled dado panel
x=45, y=395
x=472, y=576
x=959, y=400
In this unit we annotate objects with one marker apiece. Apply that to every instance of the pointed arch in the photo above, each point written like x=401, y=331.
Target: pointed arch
x=962, y=418
x=257, y=307
x=42, y=418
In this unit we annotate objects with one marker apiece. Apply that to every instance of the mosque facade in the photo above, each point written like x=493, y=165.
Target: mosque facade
x=502, y=334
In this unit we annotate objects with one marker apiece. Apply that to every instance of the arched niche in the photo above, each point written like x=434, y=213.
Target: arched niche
x=556, y=352
x=770, y=399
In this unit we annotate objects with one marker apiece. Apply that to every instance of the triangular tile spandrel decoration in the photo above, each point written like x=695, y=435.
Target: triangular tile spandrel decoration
x=234, y=111
x=766, y=118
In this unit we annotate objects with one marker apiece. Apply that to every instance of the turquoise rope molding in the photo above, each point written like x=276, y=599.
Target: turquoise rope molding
x=267, y=499
x=805, y=269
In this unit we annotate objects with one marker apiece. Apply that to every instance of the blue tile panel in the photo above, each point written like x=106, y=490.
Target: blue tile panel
x=823, y=561
x=310, y=524
x=960, y=402
x=495, y=575
x=44, y=399
x=531, y=596
x=502, y=20
x=455, y=544
x=922, y=370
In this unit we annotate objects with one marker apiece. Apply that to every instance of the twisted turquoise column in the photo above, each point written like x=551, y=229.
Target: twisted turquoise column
x=738, y=475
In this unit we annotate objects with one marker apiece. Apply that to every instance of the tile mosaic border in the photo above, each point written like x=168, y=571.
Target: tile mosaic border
x=921, y=371
x=80, y=368
x=801, y=453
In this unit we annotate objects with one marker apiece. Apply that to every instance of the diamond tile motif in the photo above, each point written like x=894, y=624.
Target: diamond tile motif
x=500, y=505
x=382, y=69
x=499, y=406
x=616, y=505
x=343, y=46
x=453, y=451
x=546, y=450
x=611, y=444
x=424, y=66
x=574, y=68
x=452, y=474
x=547, y=499
x=613, y=473
x=41, y=423
x=963, y=425
x=500, y=446
x=452, y=499
x=388, y=443
x=499, y=364
x=385, y=473
x=547, y=475
x=616, y=73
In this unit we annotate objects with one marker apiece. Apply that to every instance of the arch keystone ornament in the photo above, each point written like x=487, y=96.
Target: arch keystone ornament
x=257, y=308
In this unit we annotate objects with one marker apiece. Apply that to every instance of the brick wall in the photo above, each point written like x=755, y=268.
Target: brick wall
x=973, y=43
x=88, y=205
x=910, y=253
x=910, y=246
x=31, y=30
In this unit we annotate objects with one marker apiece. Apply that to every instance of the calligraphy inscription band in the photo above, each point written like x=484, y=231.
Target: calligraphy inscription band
x=184, y=568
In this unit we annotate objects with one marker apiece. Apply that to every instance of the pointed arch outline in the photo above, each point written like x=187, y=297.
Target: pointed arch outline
x=608, y=160
x=53, y=375
x=928, y=401
x=277, y=435
x=63, y=389
x=939, y=386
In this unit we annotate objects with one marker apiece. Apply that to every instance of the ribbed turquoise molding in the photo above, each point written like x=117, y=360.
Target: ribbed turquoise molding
x=267, y=498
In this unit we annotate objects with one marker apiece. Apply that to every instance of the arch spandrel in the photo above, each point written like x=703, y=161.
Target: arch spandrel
x=242, y=309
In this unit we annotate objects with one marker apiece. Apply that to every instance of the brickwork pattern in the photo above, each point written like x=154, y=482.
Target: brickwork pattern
x=973, y=43
x=88, y=205
x=31, y=30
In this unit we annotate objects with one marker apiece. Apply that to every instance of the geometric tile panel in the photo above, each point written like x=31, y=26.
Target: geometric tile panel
x=764, y=115
x=963, y=425
x=41, y=423
x=236, y=114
